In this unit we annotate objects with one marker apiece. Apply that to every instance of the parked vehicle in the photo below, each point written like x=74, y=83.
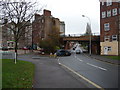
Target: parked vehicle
x=4, y=48
x=63, y=52
x=42, y=51
x=78, y=52
x=25, y=48
x=85, y=51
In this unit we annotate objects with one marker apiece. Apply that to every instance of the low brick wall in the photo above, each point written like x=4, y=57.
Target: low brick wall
x=22, y=51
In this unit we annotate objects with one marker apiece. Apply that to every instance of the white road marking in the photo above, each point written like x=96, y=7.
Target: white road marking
x=59, y=61
x=97, y=67
x=75, y=56
x=90, y=64
x=78, y=58
x=84, y=78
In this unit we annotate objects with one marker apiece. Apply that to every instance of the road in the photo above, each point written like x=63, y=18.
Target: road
x=97, y=73
x=49, y=74
x=100, y=73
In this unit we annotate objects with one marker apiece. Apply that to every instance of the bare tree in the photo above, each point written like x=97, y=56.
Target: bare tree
x=19, y=14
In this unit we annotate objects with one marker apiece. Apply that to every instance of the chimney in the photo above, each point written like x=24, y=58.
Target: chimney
x=37, y=16
x=47, y=13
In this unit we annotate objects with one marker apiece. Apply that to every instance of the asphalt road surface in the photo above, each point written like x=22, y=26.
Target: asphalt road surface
x=100, y=73
x=49, y=74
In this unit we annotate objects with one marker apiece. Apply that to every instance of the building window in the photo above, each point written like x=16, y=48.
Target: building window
x=42, y=20
x=106, y=26
x=119, y=10
x=114, y=11
x=12, y=44
x=106, y=38
x=104, y=14
x=109, y=49
x=102, y=3
x=8, y=31
x=8, y=44
x=109, y=13
x=114, y=37
x=119, y=26
x=109, y=2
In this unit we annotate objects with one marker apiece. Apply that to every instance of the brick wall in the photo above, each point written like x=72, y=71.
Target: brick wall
x=113, y=21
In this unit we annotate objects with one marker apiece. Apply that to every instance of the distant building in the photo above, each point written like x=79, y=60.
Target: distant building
x=88, y=30
x=3, y=42
x=43, y=26
x=8, y=36
x=62, y=28
x=109, y=27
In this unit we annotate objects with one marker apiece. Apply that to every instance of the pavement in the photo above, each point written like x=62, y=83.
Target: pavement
x=49, y=74
x=104, y=59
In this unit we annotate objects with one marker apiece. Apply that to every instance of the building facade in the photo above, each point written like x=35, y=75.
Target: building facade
x=8, y=36
x=43, y=25
x=109, y=27
x=62, y=28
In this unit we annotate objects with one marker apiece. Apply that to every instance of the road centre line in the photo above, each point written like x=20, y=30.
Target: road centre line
x=78, y=58
x=91, y=64
x=97, y=67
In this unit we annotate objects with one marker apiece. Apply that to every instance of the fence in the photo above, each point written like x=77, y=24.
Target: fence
x=7, y=55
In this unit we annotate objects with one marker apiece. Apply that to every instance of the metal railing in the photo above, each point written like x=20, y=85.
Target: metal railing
x=78, y=35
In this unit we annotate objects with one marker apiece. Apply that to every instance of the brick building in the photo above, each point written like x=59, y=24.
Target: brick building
x=109, y=27
x=43, y=26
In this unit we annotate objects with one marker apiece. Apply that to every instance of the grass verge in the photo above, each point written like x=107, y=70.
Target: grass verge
x=114, y=57
x=19, y=75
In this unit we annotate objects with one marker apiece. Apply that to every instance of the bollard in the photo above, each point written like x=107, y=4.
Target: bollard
x=50, y=54
x=55, y=56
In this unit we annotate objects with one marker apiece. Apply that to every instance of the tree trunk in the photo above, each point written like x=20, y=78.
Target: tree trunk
x=16, y=47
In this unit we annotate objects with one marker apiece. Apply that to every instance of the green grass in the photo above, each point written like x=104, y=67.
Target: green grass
x=19, y=75
x=114, y=57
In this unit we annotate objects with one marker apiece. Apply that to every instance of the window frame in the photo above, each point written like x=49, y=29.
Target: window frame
x=109, y=48
x=106, y=38
x=103, y=3
x=104, y=14
x=119, y=10
x=114, y=12
x=114, y=38
x=106, y=26
x=109, y=13
x=109, y=3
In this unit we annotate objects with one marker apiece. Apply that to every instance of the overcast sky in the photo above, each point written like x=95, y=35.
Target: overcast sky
x=71, y=11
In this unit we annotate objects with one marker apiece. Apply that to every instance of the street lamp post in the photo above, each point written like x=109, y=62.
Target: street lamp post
x=89, y=34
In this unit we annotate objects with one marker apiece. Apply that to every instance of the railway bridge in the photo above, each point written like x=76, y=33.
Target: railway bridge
x=84, y=40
